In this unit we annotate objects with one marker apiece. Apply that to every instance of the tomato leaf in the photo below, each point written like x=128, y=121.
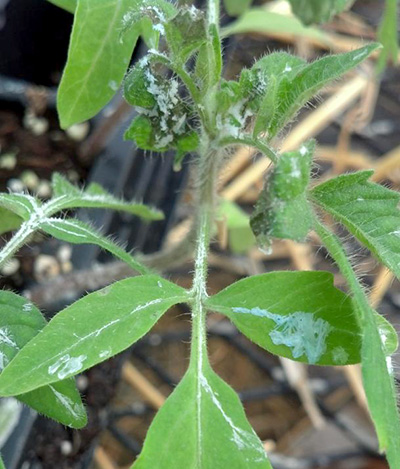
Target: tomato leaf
x=297, y=315
x=358, y=204
x=202, y=424
x=89, y=331
x=21, y=321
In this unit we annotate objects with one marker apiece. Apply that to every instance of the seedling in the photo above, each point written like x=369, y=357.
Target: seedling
x=298, y=315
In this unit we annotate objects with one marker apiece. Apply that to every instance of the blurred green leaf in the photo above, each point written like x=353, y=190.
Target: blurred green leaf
x=319, y=11
x=237, y=7
x=69, y=5
x=240, y=236
x=387, y=34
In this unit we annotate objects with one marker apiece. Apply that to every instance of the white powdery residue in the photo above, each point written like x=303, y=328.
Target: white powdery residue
x=193, y=12
x=159, y=27
x=339, y=355
x=389, y=365
x=159, y=284
x=27, y=307
x=64, y=400
x=242, y=438
x=55, y=223
x=3, y=361
x=67, y=365
x=359, y=56
x=395, y=233
x=105, y=353
x=288, y=68
x=146, y=305
x=299, y=331
x=303, y=151
x=6, y=338
x=112, y=84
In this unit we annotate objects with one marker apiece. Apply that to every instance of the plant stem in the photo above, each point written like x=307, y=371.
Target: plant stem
x=213, y=12
x=20, y=238
x=255, y=143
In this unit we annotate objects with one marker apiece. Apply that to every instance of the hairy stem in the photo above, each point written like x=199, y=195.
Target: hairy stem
x=213, y=12
x=20, y=238
x=335, y=249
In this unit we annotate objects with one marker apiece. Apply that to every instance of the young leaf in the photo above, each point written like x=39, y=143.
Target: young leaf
x=282, y=210
x=203, y=425
x=2, y=466
x=318, y=11
x=97, y=59
x=297, y=315
x=78, y=232
x=294, y=92
x=21, y=321
x=9, y=221
x=89, y=331
x=69, y=5
x=96, y=197
x=358, y=204
x=237, y=7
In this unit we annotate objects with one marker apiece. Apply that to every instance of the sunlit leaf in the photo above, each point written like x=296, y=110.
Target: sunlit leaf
x=89, y=331
x=297, y=315
x=23, y=205
x=260, y=20
x=368, y=210
x=97, y=59
x=237, y=7
x=203, y=425
x=319, y=11
x=21, y=321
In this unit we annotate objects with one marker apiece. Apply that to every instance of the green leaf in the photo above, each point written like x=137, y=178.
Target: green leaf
x=282, y=210
x=203, y=425
x=260, y=20
x=376, y=367
x=96, y=197
x=185, y=33
x=2, y=466
x=97, y=59
x=295, y=90
x=8, y=221
x=69, y=5
x=241, y=238
x=237, y=7
x=387, y=34
x=319, y=11
x=297, y=315
x=21, y=321
x=22, y=205
x=89, y=331
x=382, y=398
x=78, y=232
x=368, y=210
